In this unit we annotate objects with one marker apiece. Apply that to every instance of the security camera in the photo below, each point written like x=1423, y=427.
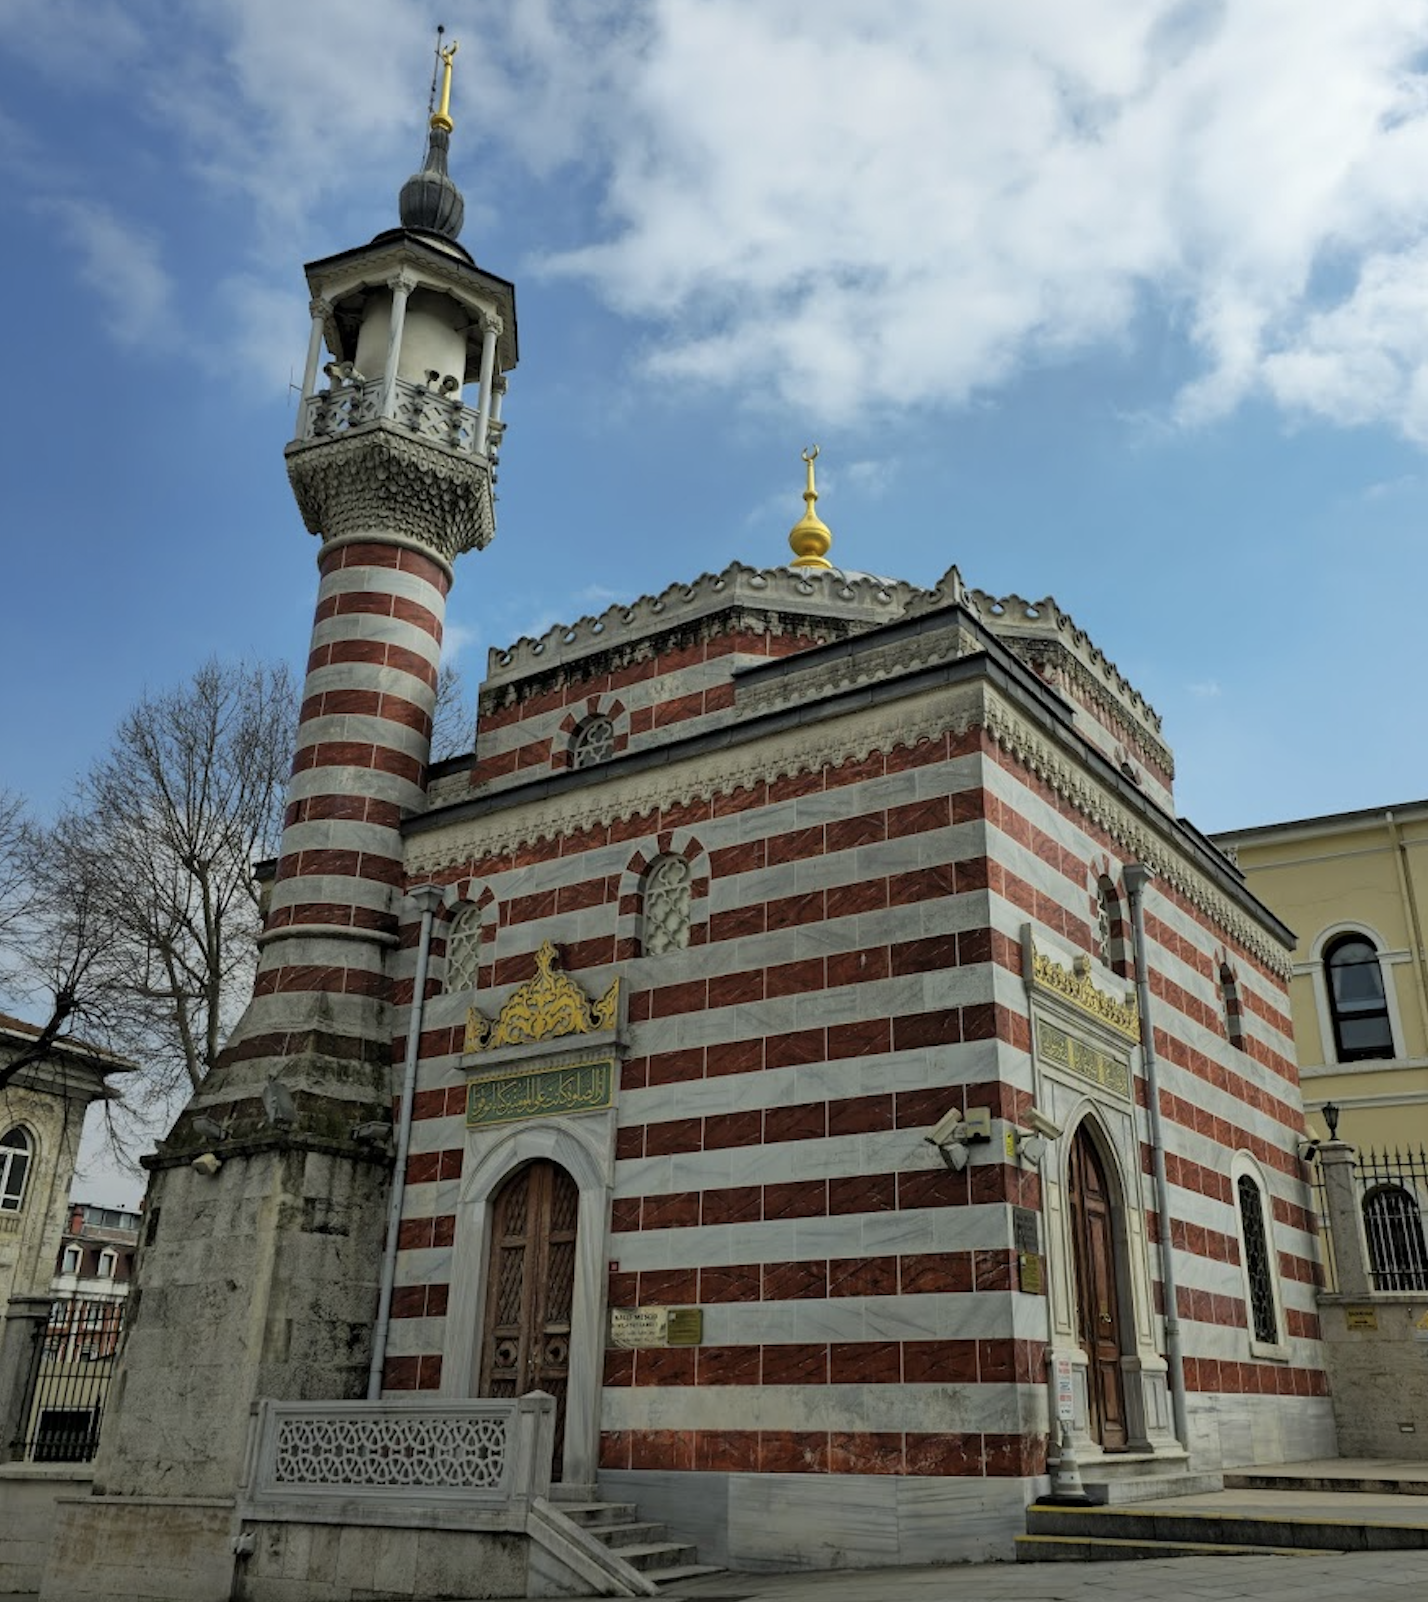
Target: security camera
x=945, y=1127
x=374, y=1134
x=209, y=1128
x=1042, y=1124
x=1308, y=1150
x=1031, y=1148
x=955, y=1155
x=450, y=384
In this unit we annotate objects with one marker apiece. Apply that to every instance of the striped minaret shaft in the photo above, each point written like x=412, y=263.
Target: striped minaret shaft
x=363, y=744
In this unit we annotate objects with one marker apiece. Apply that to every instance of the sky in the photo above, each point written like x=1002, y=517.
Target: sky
x=1120, y=301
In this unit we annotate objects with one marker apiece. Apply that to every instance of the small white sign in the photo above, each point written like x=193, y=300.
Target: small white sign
x=1065, y=1391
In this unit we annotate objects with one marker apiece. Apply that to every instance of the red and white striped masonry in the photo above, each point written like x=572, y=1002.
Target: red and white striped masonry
x=364, y=741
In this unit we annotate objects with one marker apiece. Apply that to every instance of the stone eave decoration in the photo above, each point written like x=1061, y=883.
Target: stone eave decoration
x=551, y=1006
x=1076, y=986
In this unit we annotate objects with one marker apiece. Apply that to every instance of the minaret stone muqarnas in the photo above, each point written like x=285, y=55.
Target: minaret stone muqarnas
x=265, y=1220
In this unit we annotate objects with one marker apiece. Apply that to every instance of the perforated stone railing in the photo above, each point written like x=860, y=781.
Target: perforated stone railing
x=425, y=412
x=480, y=1454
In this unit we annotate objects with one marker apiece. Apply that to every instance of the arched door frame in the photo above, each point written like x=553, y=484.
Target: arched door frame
x=556, y=1141
x=1100, y=1140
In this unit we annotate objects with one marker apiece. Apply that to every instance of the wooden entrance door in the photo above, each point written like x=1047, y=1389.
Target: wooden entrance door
x=1098, y=1317
x=530, y=1285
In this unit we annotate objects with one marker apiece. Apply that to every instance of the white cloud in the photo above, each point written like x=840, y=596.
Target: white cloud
x=120, y=263
x=849, y=209
x=457, y=638
x=1206, y=690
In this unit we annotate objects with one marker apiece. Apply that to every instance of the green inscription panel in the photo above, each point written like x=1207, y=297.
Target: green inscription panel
x=539, y=1093
x=1083, y=1059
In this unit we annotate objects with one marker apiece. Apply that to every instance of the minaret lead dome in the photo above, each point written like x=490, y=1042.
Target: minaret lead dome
x=430, y=201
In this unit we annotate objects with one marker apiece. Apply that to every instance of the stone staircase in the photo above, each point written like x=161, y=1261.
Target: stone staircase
x=1059, y=1534
x=647, y=1548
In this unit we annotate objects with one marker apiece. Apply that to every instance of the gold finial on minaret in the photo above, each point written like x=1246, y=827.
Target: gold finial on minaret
x=810, y=537
x=441, y=117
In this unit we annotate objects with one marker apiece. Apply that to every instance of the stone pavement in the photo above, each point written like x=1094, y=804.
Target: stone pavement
x=1364, y=1577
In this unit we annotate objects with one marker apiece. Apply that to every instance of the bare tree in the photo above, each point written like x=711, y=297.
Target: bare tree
x=143, y=911
x=453, y=723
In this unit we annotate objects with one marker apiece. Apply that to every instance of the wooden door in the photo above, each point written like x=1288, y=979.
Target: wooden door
x=530, y=1285
x=1098, y=1318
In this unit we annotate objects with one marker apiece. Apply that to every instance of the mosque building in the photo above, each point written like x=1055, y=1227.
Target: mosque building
x=800, y=1038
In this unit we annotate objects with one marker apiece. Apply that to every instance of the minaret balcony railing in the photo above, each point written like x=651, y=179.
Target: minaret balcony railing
x=417, y=408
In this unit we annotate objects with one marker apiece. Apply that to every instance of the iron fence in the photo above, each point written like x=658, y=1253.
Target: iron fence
x=1393, y=1198
x=70, y=1380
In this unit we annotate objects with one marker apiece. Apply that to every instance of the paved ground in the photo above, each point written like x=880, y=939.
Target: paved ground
x=1365, y=1577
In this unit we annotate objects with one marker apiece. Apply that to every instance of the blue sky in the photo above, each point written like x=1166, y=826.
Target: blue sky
x=1118, y=300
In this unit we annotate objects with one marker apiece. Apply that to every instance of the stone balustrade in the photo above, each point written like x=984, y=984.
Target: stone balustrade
x=477, y=1454
x=421, y=410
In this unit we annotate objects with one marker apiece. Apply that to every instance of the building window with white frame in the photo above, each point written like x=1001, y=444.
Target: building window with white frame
x=1358, y=1002
x=15, y=1157
x=665, y=906
x=1258, y=1262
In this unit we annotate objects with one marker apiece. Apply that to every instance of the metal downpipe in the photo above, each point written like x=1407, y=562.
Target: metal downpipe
x=428, y=898
x=1137, y=877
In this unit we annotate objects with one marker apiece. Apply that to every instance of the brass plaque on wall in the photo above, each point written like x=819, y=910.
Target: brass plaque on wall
x=656, y=1326
x=1033, y=1273
x=1361, y=1317
x=539, y=1093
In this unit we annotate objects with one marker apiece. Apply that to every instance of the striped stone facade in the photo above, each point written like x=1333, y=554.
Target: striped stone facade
x=889, y=818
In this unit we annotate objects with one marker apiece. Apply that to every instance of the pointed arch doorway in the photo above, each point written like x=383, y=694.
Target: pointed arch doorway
x=1100, y=1326
x=530, y=1289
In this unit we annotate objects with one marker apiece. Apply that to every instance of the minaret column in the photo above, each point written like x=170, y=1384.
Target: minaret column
x=363, y=744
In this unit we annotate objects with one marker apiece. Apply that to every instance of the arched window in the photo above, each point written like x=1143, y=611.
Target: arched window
x=14, y=1166
x=1357, y=1003
x=1258, y=1262
x=1112, y=945
x=666, y=906
x=1393, y=1227
x=1230, y=1004
x=594, y=742
x=463, y=949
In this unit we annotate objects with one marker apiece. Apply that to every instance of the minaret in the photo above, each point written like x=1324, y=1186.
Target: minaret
x=264, y=1229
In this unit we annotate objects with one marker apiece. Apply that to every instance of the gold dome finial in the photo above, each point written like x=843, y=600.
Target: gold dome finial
x=441, y=117
x=810, y=537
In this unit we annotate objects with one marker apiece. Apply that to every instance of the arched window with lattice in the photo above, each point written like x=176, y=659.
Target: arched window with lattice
x=15, y=1155
x=593, y=742
x=1258, y=1262
x=463, y=949
x=665, y=906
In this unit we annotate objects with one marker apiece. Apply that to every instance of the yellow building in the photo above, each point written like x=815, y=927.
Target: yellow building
x=1354, y=888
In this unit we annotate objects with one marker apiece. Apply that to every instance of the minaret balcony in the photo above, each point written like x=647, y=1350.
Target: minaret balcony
x=418, y=408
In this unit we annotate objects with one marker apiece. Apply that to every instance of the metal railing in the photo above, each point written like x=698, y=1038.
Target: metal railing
x=70, y=1380
x=421, y=410
x=1392, y=1190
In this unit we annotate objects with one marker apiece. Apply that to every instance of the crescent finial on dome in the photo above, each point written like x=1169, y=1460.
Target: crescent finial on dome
x=810, y=537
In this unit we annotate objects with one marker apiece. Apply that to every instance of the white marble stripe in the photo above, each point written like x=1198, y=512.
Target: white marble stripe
x=921, y=1409
x=343, y=834
x=381, y=581
x=374, y=627
x=360, y=729
x=372, y=677
x=344, y=781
